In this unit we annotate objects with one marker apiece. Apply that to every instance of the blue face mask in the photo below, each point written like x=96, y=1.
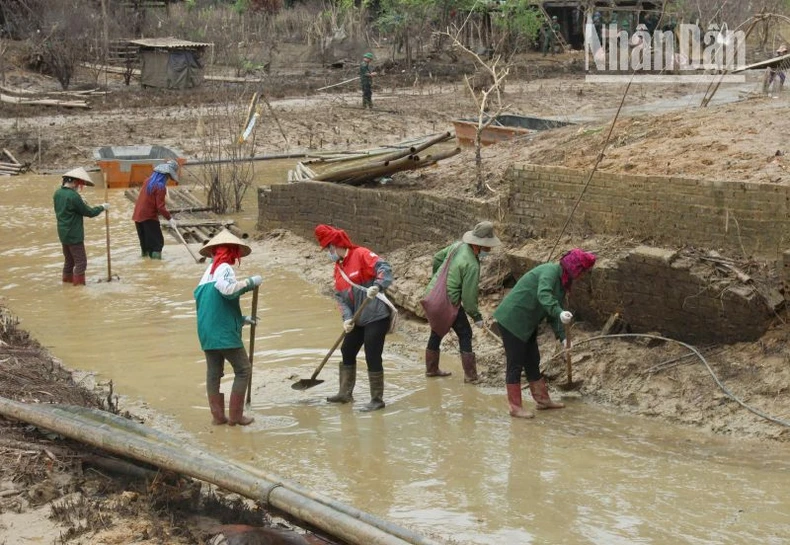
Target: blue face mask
x=482, y=254
x=333, y=256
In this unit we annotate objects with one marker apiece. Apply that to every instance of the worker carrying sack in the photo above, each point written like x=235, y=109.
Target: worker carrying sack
x=439, y=310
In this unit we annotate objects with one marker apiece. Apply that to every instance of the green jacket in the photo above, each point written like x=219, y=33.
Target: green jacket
x=69, y=211
x=219, y=318
x=463, y=278
x=535, y=297
x=364, y=74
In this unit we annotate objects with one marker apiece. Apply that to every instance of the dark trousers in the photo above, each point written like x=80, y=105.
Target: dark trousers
x=149, y=232
x=215, y=369
x=74, y=259
x=520, y=356
x=367, y=95
x=462, y=328
x=372, y=337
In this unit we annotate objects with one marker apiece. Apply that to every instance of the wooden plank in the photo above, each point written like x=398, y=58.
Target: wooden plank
x=770, y=63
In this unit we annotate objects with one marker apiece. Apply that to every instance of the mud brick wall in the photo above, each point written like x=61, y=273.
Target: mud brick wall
x=735, y=216
x=382, y=220
x=657, y=290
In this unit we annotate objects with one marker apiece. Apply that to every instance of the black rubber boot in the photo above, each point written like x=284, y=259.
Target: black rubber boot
x=376, y=392
x=348, y=378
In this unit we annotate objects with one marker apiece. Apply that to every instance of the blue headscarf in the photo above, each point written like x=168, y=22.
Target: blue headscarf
x=158, y=180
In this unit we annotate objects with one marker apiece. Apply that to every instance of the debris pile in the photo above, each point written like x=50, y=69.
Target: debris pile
x=13, y=167
x=32, y=98
x=360, y=167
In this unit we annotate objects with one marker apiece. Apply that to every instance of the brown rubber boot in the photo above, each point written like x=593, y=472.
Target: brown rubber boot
x=236, y=410
x=216, y=403
x=78, y=279
x=514, y=400
x=67, y=278
x=469, y=363
x=376, y=392
x=348, y=379
x=540, y=393
x=432, y=364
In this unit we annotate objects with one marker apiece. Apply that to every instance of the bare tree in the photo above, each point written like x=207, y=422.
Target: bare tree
x=491, y=82
x=225, y=182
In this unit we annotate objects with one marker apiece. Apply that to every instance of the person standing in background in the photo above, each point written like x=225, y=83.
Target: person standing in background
x=150, y=205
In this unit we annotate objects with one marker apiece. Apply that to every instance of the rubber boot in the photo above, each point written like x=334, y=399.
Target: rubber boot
x=540, y=393
x=376, y=392
x=78, y=279
x=216, y=403
x=156, y=255
x=348, y=378
x=236, y=410
x=432, y=364
x=144, y=254
x=514, y=400
x=67, y=279
x=469, y=363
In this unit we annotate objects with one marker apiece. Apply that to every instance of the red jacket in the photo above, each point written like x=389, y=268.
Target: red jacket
x=150, y=207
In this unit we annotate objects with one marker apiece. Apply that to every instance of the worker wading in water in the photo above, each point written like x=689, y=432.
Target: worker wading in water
x=70, y=210
x=150, y=205
x=463, y=283
x=537, y=296
x=219, y=324
x=370, y=275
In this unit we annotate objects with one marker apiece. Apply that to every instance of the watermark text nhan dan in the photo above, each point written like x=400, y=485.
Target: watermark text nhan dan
x=688, y=56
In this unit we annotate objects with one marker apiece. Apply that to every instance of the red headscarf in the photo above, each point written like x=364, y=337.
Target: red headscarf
x=327, y=235
x=226, y=253
x=573, y=264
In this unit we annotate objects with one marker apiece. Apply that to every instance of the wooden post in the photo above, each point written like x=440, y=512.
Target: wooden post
x=107, y=226
x=252, y=339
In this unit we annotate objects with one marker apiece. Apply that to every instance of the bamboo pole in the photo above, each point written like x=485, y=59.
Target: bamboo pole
x=133, y=440
x=107, y=226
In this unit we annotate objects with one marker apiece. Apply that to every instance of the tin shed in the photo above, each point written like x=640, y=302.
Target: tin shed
x=170, y=63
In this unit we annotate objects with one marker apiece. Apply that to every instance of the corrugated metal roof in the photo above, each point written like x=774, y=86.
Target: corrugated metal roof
x=169, y=43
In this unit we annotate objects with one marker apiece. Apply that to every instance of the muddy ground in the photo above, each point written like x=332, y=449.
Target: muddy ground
x=735, y=141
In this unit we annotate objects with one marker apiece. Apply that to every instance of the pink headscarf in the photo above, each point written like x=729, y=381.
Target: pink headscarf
x=573, y=264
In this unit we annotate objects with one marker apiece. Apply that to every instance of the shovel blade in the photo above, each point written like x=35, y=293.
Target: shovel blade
x=568, y=386
x=306, y=383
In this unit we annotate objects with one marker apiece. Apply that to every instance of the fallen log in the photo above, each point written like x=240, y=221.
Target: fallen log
x=410, y=165
x=44, y=102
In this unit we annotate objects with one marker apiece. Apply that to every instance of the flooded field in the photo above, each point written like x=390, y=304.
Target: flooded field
x=443, y=458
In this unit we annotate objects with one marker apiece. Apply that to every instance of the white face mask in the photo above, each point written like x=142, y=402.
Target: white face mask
x=333, y=255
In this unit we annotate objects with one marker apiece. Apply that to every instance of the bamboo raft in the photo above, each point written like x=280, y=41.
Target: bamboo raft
x=196, y=222
x=360, y=167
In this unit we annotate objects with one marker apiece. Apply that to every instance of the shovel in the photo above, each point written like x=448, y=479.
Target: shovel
x=197, y=259
x=305, y=383
x=570, y=385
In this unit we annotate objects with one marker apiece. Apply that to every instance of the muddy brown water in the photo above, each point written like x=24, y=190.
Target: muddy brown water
x=442, y=458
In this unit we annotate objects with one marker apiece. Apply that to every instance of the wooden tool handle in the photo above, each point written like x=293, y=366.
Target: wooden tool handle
x=568, y=366
x=339, y=340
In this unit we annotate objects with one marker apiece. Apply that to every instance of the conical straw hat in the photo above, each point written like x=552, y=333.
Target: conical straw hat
x=79, y=174
x=223, y=238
